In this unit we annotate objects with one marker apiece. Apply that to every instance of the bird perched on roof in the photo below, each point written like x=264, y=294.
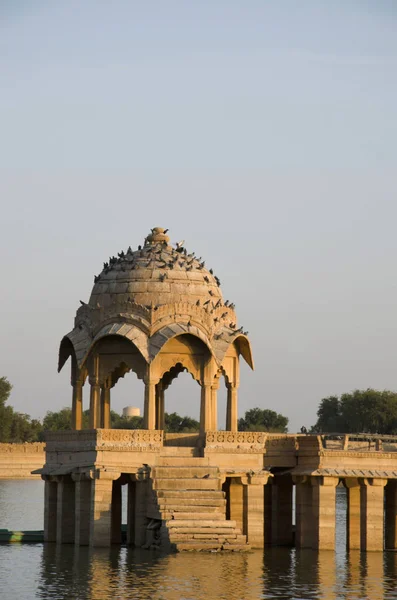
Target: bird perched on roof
x=211, y=271
x=83, y=303
x=198, y=302
x=166, y=230
x=180, y=244
x=205, y=303
x=206, y=279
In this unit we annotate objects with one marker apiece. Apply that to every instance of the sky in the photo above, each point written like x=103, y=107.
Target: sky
x=263, y=133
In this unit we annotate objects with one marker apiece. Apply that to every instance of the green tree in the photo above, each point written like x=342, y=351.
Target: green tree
x=263, y=419
x=361, y=411
x=174, y=423
x=119, y=422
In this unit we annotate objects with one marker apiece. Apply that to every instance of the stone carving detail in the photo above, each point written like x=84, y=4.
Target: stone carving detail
x=235, y=437
x=133, y=437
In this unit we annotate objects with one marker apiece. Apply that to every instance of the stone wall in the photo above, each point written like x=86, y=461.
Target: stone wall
x=18, y=460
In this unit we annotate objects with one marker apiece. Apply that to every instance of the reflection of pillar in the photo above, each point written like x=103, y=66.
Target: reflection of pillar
x=391, y=515
x=105, y=406
x=323, y=518
x=101, y=508
x=231, y=409
x=214, y=405
x=150, y=404
x=77, y=404
x=205, y=408
x=353, y=514
x=141, y=520
x=82, y=509
x=50, y=509
x=65, y=510
x=281, y=489
x=160, y=409
x=372, y=513
x=116, y=512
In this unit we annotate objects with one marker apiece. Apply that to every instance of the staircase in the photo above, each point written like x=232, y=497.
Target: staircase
x=192, y=507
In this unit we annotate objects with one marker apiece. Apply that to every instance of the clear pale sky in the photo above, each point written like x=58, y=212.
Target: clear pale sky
x=264, y=133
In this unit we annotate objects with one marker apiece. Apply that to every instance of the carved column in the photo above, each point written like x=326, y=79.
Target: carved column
x=105, y=405
x=231, y=409
x=372, y=514
x=149, y=416
x=82, y=509
x=95, y=390
x=323, y=515
x=77, y=404
x=160, y=408
x=101, y=507
x=214, y=405
x=50, y=508
x=205, y=407
x=353, y=519
x=253, y=509
x=65, y=510
x=391, y=515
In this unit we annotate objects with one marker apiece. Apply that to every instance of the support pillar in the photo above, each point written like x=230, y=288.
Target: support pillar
x=105, y=406
x=391, y=515
x=77, y=405
x=141, y=520
x=131, y=513
x=303, y=508
x=324, y=509
x=82, y=509
x=231, y=409
x=50, y=509
x=372, y=514
x=353, y=517
x=281, y=489
x=101, y=508
x=160, y=408
x=253, y=507
x=214, y=405
x=205, y=407
x=150, y=404
x=116, y=512
x=94, y=404
x=65, y=510
x=236, y=502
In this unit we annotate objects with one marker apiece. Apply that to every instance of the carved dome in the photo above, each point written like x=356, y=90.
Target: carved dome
x=154, y=275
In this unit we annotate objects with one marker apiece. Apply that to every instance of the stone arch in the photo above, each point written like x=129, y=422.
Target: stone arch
x=167, y=333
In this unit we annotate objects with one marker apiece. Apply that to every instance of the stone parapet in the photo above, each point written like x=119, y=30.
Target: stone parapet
x=17, y=461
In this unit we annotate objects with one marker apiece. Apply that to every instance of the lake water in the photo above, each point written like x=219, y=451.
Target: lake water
x=36, y=571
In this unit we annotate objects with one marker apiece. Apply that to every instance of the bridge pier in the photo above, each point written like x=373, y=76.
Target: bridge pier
x=372, y=514
x=391, y=515
x=281, y=511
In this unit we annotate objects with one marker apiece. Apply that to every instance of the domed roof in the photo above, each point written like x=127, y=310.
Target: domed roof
x=156, y=274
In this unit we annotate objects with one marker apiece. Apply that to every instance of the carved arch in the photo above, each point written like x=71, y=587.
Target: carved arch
x=167, y=333
x=124, y=330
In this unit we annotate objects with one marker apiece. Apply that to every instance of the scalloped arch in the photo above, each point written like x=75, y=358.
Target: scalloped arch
x=163, y=335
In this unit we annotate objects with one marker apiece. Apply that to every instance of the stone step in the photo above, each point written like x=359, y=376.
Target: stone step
x=199, y=545
x=176, y=502
x=192, y=524
x=187, y=516
x=199, y=472
x=236, y=547
x=191, y=494
x=183, y=537
x=182, y=483
x=179, y=451
x=195, y=511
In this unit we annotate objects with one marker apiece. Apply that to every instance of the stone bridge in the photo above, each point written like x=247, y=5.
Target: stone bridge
x=219, y=489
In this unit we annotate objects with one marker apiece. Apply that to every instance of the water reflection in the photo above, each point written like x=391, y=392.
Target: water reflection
x=122, y=573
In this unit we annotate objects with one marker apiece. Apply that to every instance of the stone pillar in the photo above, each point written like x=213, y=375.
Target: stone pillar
x=131, y=513
x=372, y=514
x=231, y=409
x=141, y=520
x=281, y=490
x=236, y=501
x=77, y=404
x=149, y=416
x=353, y=517
x=94, y=403
x=214, y=405
x=105, y=406
x=116, y=512
x=391, y=515
x=324, y=508
x=50, y=509
x=205, y=407
x=303, y=511
x=82, y=509
x=160, y=408
x=101, y=507
x=253, y=507
x=65, y=510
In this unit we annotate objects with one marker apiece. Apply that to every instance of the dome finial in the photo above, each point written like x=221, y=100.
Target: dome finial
x=157, y=235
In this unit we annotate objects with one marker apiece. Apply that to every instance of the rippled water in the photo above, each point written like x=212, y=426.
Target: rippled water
x=44, y=572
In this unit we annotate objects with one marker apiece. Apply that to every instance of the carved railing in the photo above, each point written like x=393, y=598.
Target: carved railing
x=104, y=439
